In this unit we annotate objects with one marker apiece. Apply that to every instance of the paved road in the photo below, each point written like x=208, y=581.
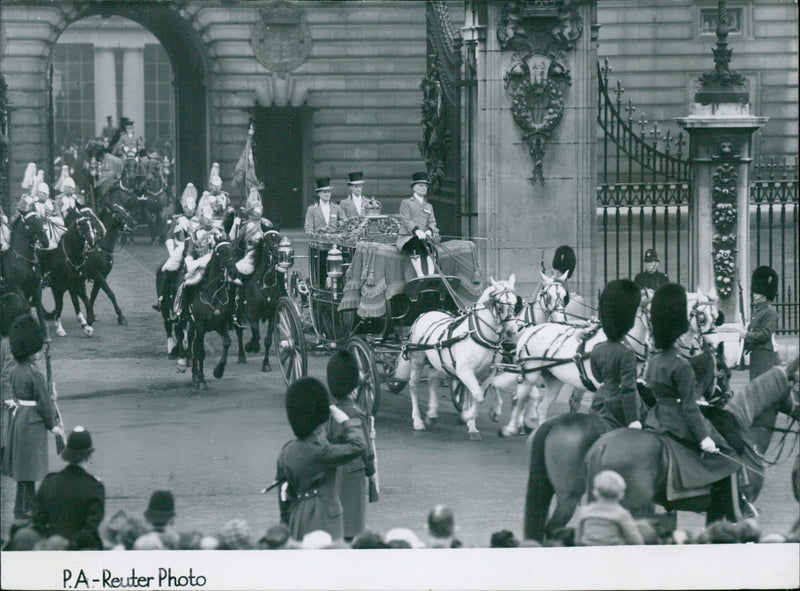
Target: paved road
x=216, y=449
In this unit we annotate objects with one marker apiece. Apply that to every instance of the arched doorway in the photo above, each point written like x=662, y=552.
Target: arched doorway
x=187, y=59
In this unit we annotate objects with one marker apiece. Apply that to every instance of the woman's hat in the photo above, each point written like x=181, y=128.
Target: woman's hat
x=765, y=282
x=307, y=406
x=323, y=184
x=79, y=445
x=419, y=177
x=564, y=260
x=161, y=507
x=25, y=337
x=668, y=314
x=356, y=178
x=342, y=374
x=618, y=305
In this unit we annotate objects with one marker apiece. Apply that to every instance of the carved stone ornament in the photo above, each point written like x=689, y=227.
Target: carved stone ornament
x=539, y=33
x=435, y=140
x=724, y=215
x=281, y=39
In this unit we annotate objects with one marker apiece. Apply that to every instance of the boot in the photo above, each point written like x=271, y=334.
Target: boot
x=431, y=266
x=417, y=264
x=177, y=305
x=238, y=312
x=157, y=305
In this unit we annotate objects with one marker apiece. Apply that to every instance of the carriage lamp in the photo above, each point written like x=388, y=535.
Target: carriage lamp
x=335, y=268
x=285, y=255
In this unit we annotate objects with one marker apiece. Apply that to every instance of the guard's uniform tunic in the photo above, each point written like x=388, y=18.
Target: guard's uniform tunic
x=759, y=338
x=309, y=466
x=617, y=399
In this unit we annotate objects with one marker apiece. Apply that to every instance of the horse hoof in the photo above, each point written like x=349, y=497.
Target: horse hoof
x=219, y=371
x=494, y=416
x=121, y=320
x=241, y=359
x=266, y=368
x=528, y=430
x=419, y=425
x=182, y=367
x=252, y=347
x=430, y=422
x=88, y=331
x=201, y=385
x=475, y=436
x=61, y=332
x=195, y=379
x=461, y=421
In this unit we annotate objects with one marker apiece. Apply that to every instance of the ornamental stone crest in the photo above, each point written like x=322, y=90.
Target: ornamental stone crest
x=281, y=39
x=539, y=33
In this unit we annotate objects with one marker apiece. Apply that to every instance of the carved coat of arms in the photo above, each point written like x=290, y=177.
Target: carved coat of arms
x=281, y=39
x=540, y=33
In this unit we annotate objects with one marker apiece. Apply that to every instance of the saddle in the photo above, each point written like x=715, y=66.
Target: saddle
x=691, y=474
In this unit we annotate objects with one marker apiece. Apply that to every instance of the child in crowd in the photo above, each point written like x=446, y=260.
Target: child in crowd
x=605, y=522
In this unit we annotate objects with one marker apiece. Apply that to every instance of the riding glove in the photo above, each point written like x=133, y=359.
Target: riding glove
x=708, y=445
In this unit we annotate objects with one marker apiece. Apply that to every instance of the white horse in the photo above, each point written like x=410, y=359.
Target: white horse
x=459, y=346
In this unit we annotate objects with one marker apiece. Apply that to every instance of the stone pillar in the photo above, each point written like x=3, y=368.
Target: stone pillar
x=719, y=147
x=536, y=160
x=105, y=88
x=133, y=87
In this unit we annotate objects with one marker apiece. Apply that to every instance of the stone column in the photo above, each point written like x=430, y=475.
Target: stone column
x=133, y=87
x=105, y=88
x=535, y=191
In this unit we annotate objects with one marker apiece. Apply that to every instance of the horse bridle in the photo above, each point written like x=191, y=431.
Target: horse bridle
x=700, y=317
x=84, y=247
x=497, y=307
x=33, y=239
x=546, y=298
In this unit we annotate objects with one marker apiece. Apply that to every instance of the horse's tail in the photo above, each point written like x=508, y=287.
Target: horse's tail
x=540, y=490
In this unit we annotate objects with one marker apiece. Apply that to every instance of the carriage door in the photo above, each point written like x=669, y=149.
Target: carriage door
x=278, y=154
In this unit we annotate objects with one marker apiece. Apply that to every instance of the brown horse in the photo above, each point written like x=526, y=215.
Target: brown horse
x=568, y=451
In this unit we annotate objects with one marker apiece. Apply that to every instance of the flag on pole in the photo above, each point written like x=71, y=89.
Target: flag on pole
x=244, y=175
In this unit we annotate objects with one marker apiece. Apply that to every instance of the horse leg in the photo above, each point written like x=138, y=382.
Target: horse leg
x=198, y=357
x=417, y=364
x=58, y=296
x=551, y=391
x=254, y=344
x=469, y=415
x=90, y=318
x=103, y=284
x=74, y=295
x=432, y=415
x=219, y=370
x=241, y=357
x=518, y=404
x=265, y=366
x=575, y=399
x=181, y=331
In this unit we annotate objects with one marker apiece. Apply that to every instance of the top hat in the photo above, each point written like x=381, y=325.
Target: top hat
x=668, y=314
x=25, y=337
x=79, y=445
x=306, y=406
x=342, y=374
x=650, y=255
x=161, y=507
x=125, y=122
x=765, y=282
x=323, y=184
x=419, y=177
x=564, y=260
x=618, y=305
x=355, y=178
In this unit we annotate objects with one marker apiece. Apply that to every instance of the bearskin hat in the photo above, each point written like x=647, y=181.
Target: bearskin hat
x=564, y=260
x=669, y=314
x=25, y=338
x=12, y=307
x=306, y=406
x=342, y=374
x=618, y=304
x=765, y=282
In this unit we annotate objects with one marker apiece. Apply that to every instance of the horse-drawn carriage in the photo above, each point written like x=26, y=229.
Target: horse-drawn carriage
x=364, y=297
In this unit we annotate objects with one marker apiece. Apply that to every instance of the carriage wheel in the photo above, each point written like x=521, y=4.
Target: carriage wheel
x=289, y=342
x=369, y=388
x=458, y=393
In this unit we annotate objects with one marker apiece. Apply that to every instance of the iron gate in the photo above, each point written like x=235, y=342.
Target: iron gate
x=644, y=193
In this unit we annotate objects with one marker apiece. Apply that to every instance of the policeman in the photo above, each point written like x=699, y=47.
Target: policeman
x=651, y=277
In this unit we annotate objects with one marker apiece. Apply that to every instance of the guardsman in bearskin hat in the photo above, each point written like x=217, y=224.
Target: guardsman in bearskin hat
x=308, y=463
x=614, y=361
x=343, y=378
x=564, y=260
x=25, y=458
x=324, y=213
x=71, y=503
x=760, y=334
x=669, y=375
x=353, y=205
x=418, y=225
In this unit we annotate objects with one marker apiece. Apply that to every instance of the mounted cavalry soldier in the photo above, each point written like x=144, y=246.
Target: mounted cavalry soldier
x=418, y=225
x=353, y=205
x=67, y=200
x=215, y=198
x=247, y=230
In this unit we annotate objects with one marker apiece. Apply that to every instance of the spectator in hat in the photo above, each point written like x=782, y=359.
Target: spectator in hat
x=613, y=362
x=651, y=277
x=25, y=458
x=351, y=478
x=760, y=334
x=604, y=521
x=418, y=228
x=71, y=503
x=308, y=463
x=353, y=205
x=323, y=214
x=160, y=514
x=442, y=528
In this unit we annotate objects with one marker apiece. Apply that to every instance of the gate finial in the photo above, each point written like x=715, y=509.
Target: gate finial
x=722, y=85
